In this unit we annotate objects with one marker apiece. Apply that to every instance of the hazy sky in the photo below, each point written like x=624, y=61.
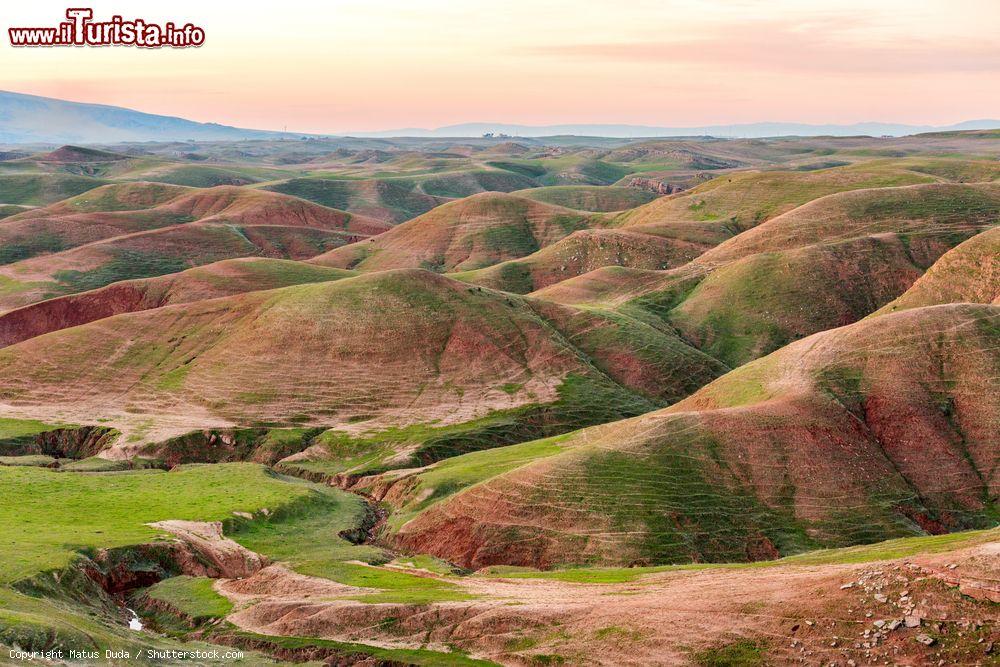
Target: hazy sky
x=363, y=65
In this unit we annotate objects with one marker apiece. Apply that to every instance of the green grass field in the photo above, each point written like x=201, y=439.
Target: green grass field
x=42, y=189
x=47, y=517
x=193, y=596
x=307, y=537
x=590, y=197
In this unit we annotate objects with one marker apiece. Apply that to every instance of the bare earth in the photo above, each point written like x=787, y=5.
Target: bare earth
x=821, y=614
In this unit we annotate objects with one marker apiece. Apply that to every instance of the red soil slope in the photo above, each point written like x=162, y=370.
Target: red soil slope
x=115, y=210
x=970, y=272
x=212, y=281
x=467, y=234
x=391, y=348
x=884, y=428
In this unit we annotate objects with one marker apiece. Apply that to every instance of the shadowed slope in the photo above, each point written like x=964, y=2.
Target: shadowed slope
x=116, y=210
x=467, y=234
x=390, y=348
x=742, y=200
x=969, y=272
x=883, y=428
x=207, y=282
x=392, y=201
x=825, y=264
x=598, y=198
x=142, y=230
x=584, y=251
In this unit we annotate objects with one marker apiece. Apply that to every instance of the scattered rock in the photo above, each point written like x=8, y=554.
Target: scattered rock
x=926, y=640
x=912, y=621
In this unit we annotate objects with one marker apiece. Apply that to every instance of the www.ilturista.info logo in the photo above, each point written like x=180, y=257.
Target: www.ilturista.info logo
x=81, y=30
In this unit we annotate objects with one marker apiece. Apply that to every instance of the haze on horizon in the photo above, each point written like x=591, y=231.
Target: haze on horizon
x=354, y=65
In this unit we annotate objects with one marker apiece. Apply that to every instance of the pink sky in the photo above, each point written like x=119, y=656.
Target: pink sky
x=353, y=65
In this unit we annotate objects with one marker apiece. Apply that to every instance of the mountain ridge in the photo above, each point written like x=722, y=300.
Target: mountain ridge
x=28, y=118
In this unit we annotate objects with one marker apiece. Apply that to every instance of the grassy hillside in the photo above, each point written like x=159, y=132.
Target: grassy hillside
x=125, y=232
x=42, y=189
x=211, y=281
x=469, y=352
x=824, y=264
x=390, y=200
x=969, y=272
x=155, y=253
x=850, y=436
x=118, y=210
x=590, y=198
x=467, y=234
x=584, y=251
x=742, y=200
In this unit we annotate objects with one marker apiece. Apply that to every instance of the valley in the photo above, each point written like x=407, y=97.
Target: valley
x=503, y=401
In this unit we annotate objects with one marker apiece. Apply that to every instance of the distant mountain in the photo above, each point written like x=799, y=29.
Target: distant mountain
x=745, y=130
x=33, y=119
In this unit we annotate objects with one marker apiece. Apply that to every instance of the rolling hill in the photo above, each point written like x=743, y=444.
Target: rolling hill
x=390, y=200
x=883, y=428
x=824, y=264
x=470, y=353
x=138, y=230
x=594, y=198
x=584, y=251
x=467, y=234
x=211, y=281
x=969, y=272
x=736, y=202
x=292, y=396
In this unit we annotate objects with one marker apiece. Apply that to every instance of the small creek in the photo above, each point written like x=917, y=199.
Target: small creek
x=134, y=623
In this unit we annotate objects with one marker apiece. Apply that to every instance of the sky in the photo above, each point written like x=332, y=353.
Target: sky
x=343, y=65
